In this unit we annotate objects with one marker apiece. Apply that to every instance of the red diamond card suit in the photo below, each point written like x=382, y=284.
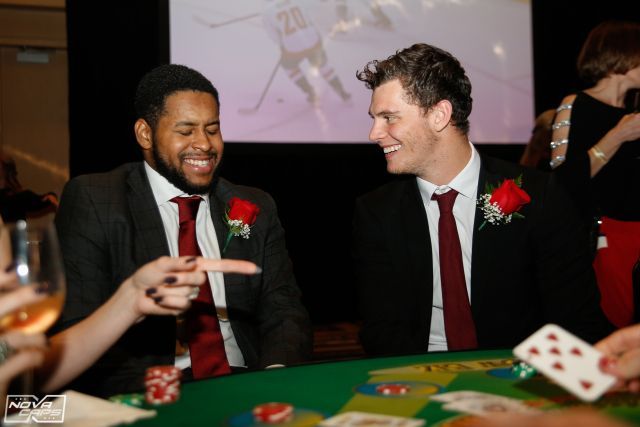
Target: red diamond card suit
x=558, y=366
x=552, y=337
x=534, y=350
x=555, y=350
x=586, y=384
x=576, y=351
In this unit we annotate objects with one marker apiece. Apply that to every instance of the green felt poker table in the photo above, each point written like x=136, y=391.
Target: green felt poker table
x=325, y=389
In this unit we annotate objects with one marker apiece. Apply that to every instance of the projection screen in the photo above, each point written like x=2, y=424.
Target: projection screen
x=286, y=69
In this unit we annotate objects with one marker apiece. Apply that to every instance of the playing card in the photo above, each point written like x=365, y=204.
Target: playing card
x=488, y=405
x=567, y=360
x=353, y=419
x=454, y=396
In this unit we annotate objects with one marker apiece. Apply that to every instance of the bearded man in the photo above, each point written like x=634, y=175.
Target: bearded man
x=174, y=203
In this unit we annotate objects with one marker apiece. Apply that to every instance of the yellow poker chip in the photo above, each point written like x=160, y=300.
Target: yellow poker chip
x=273, y=412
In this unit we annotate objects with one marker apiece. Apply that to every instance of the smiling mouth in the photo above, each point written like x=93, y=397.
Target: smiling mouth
x=198, y=162
x=391, y=148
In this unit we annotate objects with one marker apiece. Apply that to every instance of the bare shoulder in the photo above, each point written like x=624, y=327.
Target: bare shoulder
x=569, y=99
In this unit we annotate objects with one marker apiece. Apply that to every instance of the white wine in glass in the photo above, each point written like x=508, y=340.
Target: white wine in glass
x=36, y=260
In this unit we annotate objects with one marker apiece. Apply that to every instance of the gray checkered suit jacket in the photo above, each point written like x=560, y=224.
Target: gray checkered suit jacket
x=109, y=225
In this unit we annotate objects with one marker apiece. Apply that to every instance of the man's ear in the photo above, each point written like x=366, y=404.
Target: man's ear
x=440, y=115
x=143, y=134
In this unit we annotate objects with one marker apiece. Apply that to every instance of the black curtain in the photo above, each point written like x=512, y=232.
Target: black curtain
x=110, y=48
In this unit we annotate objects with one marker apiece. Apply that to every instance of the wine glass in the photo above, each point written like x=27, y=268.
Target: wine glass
x=36, y=259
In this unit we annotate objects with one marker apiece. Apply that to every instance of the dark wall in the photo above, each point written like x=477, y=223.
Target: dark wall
x=110, y=48
x=559, y=29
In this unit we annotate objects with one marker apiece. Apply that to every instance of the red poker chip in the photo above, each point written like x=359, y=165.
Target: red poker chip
x=393, y=389
x=273, y=412
x=162, y=384
x=167, y=372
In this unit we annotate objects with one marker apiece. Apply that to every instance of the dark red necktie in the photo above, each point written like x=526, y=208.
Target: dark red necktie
x=458, y=321
x=206, y=345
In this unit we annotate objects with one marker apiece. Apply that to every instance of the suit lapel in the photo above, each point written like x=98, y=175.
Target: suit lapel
x=217, y=202
x=150, y=239
x=485, y=242
x=413, y=237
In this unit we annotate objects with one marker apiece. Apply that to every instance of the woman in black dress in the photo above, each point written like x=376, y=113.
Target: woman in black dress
x=595, y=149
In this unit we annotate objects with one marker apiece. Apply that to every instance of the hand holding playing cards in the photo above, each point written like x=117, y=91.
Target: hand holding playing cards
x=567, y=360
x=622, y=356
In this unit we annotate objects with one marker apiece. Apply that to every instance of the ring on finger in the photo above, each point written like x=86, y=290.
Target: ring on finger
x=194, y=293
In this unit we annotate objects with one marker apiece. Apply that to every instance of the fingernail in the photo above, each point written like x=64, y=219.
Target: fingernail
x=150, y=291
x=191, y=259
x=605, y=363
x=170, y=279
x=10, y=267
x=157, y=300
x=258, y=270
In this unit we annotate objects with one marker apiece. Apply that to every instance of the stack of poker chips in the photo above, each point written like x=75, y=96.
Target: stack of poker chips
x=133, y=399
x=273, y=413
x=162, y=384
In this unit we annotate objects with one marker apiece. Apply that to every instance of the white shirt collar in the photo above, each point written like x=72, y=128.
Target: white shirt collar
x=465, y=183
x=163, y=190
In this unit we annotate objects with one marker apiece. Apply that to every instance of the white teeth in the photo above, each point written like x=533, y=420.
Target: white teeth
x=392, y=148
x=194, y=162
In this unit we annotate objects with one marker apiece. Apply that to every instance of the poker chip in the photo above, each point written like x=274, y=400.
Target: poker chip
x=162, y=384
x=273, y=412
x=133, y=399
x=393, y=389
x=520, y=369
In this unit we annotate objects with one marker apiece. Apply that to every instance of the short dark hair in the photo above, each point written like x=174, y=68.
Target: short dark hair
x=612, y=47
x=428, y=75
x=163, y=81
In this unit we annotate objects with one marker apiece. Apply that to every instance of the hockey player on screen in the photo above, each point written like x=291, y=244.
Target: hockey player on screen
x=289, y=25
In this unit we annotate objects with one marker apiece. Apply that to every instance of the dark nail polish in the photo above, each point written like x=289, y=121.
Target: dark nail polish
x=150, y=291
x=192, y=259
x=158, y=300
x=170, y=279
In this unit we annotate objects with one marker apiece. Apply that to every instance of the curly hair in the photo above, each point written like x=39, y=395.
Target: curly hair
x=163, y=81
x=612, y=47
x=428, y=75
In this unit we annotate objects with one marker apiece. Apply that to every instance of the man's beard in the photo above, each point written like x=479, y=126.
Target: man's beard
x=177, y=177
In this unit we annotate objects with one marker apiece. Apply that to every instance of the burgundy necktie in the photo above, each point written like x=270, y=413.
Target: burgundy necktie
x=206, y=345
x=458, y=321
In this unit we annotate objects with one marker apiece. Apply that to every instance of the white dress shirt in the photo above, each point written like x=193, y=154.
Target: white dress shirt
x=163, y=192
x=464, y=211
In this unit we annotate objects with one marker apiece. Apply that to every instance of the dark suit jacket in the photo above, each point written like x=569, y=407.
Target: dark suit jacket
x=524, y=274
x=109, y=225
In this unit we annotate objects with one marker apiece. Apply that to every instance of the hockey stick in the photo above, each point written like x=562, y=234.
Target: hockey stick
x=264, y=91
x=220, y=24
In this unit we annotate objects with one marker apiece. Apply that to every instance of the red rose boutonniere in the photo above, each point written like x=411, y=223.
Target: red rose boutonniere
x=501, y=204
x=240, y=216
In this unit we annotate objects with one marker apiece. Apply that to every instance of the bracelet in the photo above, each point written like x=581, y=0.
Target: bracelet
x=599, y=154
